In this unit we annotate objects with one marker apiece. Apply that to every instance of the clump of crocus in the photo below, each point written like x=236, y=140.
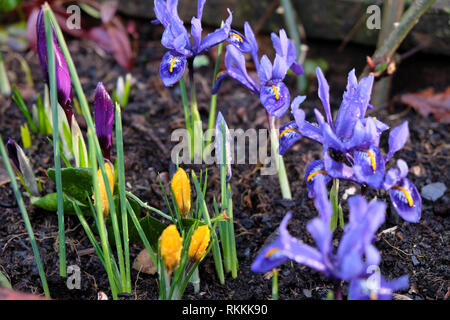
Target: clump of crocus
x=199, y=243
x=102, y=187
x=355, y=254
x=23, y=167
x=63, y=84
x=273, y=93
x=177, y=39
x=104, y=118
x=351, y=145
x=182, y=191
x=171, y=245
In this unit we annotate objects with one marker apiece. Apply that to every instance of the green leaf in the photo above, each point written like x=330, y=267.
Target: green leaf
x=4, y=282
x=49, y=202
x=75, y=181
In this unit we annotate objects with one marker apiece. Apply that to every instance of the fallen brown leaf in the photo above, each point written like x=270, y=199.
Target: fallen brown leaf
x=428, y=101
x=144, y=263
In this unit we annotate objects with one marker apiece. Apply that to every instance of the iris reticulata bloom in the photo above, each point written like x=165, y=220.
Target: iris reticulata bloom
x=351, y=145
x=177, y=40
x=273, y=93
x=355, y=253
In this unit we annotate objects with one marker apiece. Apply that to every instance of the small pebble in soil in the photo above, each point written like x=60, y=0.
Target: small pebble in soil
x=433, y=191
x=415, y=261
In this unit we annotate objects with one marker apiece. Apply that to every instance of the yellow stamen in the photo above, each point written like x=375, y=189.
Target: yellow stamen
x=374, y=118
x=287, y=130
x=315, y=173
x=271, y=252
x=237, y=36
x=372, y=159
x=406, y=193
x=172, y=62
x=275, y=90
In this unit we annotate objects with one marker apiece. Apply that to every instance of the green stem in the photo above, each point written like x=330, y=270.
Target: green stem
x=56, y=150
x=213, y=102
x=25, y=217
x=187, y=116
x=275, y=284
x=197, y=139
x=123, y=204
x=281, y=169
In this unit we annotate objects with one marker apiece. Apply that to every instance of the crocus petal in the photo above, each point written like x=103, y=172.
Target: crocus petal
x=172, y=67
x=369, y=167
x=275, y=98
x=289, y=134
x=406, y=200
x=354, y=104
x=104, y=118
x=315, y=169
x=324, y=94
x=63, y=82
x=239, y=41
x=397, y=139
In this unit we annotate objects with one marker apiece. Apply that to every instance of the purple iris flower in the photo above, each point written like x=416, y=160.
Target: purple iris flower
x=177, y=39
x=355, y=252
x=273, y=93
x=375, y=288
x=104, y=118
x=351, y=145
x=63, y=85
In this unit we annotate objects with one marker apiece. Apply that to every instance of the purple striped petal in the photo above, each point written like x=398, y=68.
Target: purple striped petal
x=275, y=98
x=397, y=139
x=369, y=167
x=313, y=170
x=238, y=40
x=406, y=200
x=289, y=135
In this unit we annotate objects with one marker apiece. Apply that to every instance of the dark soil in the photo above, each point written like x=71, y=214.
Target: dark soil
x=420, y=250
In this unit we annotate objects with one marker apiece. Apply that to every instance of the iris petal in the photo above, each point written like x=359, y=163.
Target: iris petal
x=406, y=200
x=312, y=171
x=239, y=41
x=275, y=98
x=172, y=67
x=289, y=134
x=369, y=167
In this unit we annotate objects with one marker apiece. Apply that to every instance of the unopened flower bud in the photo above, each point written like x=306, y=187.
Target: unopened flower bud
x=182, y=191
x=102, y=187
x=171, y=245
x=199, y=243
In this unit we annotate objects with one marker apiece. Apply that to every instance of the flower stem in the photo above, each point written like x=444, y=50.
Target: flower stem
x=275, y=284
x=197, y=139
x=281, y=169
x=187, y=115
x=56, y=150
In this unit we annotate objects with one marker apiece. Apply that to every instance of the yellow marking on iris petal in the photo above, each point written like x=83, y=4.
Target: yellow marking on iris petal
x=287, y=130
x=172, y=62
x=406, y=193
x=219, y=73
x=372, y=159
x=374, y=118
x=308, y=179
x=373, y=296
x=237, y=36
x=271, y=252
x=275, y=90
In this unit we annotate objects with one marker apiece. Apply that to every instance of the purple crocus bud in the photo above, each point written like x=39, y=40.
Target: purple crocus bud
x=104, y=118
x=375, y=287
x=11, y=146
x=369, y=166
x=63, y=83
x=172, y=67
